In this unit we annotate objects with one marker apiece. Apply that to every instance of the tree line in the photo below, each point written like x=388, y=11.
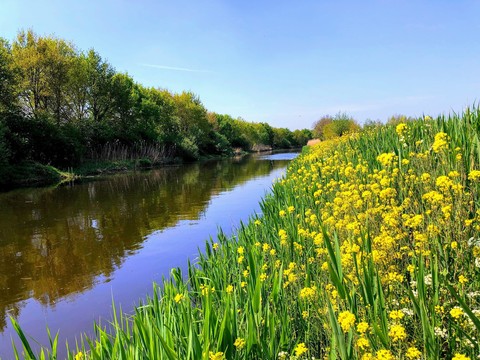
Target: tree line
x=62, y=106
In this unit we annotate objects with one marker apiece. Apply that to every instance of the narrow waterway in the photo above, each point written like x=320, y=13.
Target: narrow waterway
x=66, y=252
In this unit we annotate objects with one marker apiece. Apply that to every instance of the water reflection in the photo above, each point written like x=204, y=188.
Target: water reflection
x=58, y=242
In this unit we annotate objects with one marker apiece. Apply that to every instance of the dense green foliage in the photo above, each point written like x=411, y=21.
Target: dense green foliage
x=329, y=127
x=62, y=106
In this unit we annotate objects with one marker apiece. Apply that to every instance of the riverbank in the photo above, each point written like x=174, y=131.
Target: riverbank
x=34, y=174
x=367, y=249
x=30, y=173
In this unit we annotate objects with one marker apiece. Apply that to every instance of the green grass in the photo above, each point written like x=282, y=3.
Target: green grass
x=31, y=173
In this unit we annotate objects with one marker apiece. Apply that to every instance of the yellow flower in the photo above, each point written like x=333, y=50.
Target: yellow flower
x=456, y=312
x=474, y=175
x=397, y=332
x=291, y=209
x=462, y=279
x=386, y=158
x=178, y=298
x=282, y=213
x=239, y=343
x=425, y=177
x=229, y=289
x=79, y=356
x=384, y=355
x=300, y=349
x=454, y=244
x=400, y=129
x=363, y=343
x=346, y=320
x=413, y=353
x=396, y=315
x=216, y=356
x=308, y=293
x=414, y=221
x=362, y=327
x=241, y=250
x=258, y=222
x=215, y=246
x=460, y=357
x=440, y=142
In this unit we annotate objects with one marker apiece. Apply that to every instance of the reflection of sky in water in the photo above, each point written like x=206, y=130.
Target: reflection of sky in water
x=148, y=261
x=277, y=157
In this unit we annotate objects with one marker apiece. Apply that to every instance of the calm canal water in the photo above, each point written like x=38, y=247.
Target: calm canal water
x=66, y=252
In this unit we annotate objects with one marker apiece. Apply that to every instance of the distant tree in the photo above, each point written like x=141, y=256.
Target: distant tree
x=282, y=138
x=398, y=118
x=27, y=55
x=371, y=124
x=192, y=120
x=268, y=134
x=43, y=64
x=329, y=127
x=7, y=78
x=166, y=123
x=319, y=126
x=99, y=86
x=8, y=104
x=301, y=137
x=57, y=61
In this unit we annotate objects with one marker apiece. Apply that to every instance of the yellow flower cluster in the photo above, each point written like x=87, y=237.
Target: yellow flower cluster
x=440, y=142
x=308, y=293
x=346, y=319
x=300, y=349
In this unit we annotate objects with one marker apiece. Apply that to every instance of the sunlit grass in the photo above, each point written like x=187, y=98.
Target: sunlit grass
x=369, y=248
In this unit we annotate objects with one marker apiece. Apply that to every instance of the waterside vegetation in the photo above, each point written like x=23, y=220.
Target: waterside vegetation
x=63, y=107
x=367, y=249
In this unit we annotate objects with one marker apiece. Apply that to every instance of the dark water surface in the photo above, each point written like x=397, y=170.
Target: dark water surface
x=66, y=252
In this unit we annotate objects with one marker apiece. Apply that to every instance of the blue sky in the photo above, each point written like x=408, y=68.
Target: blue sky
x=283, y=62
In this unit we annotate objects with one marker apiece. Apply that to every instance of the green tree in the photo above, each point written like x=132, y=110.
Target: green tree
x=398, y=118
x=43, y=64
x=166, y=123
x=99, y=82
x=301, y=137
x=192, y=120
x=57, y=61
x=319, y=126
x=340, y=125
x=282, y=138
x=7, y=78
x=371, y=124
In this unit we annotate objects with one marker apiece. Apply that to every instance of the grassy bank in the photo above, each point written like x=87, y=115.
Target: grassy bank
x=367, y=249
x=30, y=173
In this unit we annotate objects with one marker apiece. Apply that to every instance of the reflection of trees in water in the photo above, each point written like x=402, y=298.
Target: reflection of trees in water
x=56, y=242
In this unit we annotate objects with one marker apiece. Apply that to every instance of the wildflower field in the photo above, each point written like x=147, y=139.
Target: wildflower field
x=369, y=248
